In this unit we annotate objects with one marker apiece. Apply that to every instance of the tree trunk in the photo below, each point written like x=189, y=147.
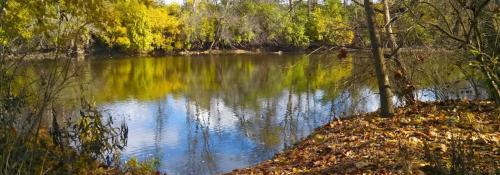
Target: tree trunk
x=492, y=80
x=388, y=26
x=403, y=84
x=491, y=27
x=194, y=7
x=386, y=107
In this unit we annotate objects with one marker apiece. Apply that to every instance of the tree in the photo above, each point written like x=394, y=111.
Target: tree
x=403, y=83
x=386, y=106
x=327, y=25
x=472, y=26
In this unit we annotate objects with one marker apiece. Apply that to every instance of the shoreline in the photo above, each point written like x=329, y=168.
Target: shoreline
x=368, y=143
x=51, y=55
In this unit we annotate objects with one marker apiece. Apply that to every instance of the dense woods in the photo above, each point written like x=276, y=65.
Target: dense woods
x=35, y=140
x=143, y=26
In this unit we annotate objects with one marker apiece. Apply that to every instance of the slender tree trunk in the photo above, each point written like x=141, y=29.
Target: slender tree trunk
x=386, y=107
x=388, y=26
x=493, y=49
x=194, y=6
x=403, y=83
x=492, y=80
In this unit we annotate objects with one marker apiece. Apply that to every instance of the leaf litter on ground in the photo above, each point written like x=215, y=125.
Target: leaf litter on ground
x=370, y=144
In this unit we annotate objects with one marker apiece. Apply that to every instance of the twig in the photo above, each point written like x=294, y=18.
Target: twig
x=315, y=51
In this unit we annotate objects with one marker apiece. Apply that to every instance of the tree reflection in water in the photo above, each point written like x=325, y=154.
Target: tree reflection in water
x=211, y=114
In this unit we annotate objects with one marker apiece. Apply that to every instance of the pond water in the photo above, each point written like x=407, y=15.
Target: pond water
x=212, y=114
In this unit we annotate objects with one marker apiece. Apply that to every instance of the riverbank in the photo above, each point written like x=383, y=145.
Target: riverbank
x=431, y=138
x=311, y=51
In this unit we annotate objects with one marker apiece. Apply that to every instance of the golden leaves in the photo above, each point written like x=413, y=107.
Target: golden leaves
x=367, y=144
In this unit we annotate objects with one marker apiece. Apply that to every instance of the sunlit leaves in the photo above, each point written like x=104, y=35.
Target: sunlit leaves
x=369, y=144
x=16, y=22
x=145, y=26
x=199, y=24
x=329, y=24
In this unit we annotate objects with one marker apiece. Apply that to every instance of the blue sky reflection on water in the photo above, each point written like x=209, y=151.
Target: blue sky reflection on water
x=209, y=115
x=190, y=140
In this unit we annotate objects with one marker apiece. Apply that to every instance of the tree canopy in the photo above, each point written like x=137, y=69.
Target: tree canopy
x=143, y=26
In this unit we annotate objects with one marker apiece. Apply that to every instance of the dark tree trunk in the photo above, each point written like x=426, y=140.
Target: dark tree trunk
x=386, y=107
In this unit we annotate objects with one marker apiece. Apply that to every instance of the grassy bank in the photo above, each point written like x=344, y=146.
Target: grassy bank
x=431, y=138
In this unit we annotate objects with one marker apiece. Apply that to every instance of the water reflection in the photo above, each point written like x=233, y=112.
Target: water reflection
x=201, y=115
x=207, y=115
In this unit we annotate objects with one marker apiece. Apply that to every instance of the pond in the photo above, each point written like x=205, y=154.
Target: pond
x=212, y=114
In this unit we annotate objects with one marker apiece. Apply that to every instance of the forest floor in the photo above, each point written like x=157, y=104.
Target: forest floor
x=431, y=138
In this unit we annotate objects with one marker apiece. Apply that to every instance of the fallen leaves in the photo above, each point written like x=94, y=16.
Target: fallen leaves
x=368, y=144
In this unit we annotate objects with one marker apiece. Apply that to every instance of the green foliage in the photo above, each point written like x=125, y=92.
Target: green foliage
x=270, y=18
x=138, y=168
x=143, y=26
x=95, y=135
x=40, y=25
x=329, y=25
x=33, y=142
x=295, y=29
x=140, y=26
x=29, y=142
x=256, y=23
x=28, y=147
x=146, y=29
x=199, y=25
x=15, y=25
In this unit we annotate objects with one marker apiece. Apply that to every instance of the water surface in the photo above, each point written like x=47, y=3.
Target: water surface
x=212, y=114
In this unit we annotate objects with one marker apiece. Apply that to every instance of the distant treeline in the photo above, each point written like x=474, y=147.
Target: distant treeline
x=145, y=26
